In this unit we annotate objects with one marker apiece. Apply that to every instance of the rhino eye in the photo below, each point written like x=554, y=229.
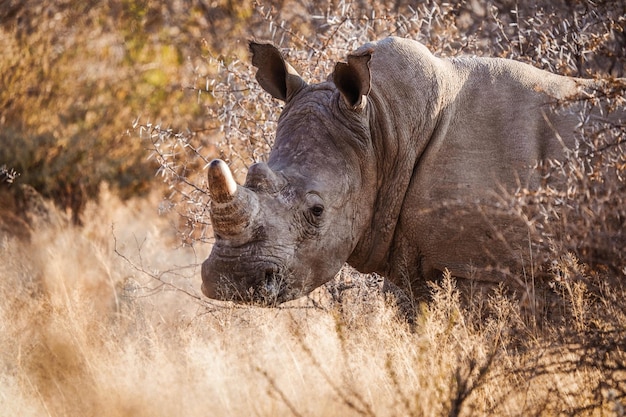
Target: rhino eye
x=314, y=208
x=317, y=210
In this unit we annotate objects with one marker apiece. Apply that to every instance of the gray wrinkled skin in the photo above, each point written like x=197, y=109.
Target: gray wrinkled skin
x=372, y=168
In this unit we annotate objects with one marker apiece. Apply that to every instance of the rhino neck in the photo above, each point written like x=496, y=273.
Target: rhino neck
x=397, y=149
x=374, y=251
x=399, y=139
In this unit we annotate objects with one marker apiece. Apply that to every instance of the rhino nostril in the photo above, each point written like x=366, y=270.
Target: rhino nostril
x=272, y=282
x=269, y=276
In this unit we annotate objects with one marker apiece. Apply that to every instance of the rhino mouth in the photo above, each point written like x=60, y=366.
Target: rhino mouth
x=272, y=289
x=269, y=285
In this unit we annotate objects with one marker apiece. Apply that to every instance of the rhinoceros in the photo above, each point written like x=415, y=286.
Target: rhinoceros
x=385, y=166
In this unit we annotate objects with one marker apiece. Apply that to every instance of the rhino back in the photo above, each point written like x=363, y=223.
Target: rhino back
x=460, y=131
x=497, y=121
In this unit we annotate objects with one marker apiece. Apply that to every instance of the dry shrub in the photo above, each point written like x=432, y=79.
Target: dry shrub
x=582, y=209
x=576, y=219
x=75, y=74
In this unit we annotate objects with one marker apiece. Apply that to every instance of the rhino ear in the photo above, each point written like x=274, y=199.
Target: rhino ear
x=353, y=79
x=274, y=74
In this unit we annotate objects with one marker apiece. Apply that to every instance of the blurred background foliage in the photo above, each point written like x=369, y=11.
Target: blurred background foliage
x=77, y=75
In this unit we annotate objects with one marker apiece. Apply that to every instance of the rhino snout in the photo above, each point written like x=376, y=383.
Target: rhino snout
x=272, y=287
x=263, y=283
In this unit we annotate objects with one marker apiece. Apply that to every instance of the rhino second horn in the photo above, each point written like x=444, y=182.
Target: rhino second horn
x=222, y=185
x=262, y=178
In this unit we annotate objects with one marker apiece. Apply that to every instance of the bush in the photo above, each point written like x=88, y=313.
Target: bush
x=74, y=76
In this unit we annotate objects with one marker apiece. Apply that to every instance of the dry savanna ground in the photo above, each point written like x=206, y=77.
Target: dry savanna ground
x=100, y=308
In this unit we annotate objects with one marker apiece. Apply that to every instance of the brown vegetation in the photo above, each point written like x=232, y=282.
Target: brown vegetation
x=115, y=327
x=106, y=319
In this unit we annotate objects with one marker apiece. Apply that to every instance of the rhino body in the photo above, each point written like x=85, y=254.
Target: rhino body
x=386, y=167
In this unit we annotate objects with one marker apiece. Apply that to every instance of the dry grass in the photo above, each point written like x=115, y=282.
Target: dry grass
x=104, y=320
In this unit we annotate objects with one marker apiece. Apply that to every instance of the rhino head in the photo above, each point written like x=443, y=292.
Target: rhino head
x=297, y=218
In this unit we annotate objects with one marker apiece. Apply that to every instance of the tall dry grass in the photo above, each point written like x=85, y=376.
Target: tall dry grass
x=106, y=320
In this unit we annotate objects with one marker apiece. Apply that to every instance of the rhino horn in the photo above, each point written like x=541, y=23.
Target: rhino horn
x=222, y=185
x=233, y=208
